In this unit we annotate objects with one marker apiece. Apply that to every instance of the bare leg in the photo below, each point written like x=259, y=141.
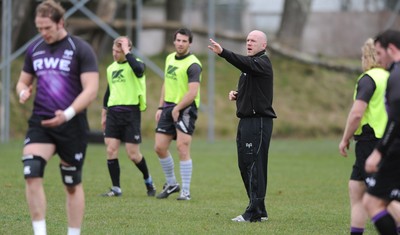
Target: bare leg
x=394, y=210
x=358, y=213
x=36, y=198
x=34, y=190
x=75, y=205
x=133, y=151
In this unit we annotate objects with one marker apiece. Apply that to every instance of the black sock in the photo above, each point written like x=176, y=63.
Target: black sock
x=114, y=170
x=142, y=166
x=385, y=223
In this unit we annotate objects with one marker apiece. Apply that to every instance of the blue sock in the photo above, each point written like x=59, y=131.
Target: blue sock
x=148, y=180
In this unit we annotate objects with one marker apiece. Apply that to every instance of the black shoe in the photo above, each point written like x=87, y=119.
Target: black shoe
x=151, y=189
x=168, y=190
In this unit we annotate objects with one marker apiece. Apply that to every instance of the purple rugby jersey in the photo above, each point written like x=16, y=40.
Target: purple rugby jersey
x=57, y=68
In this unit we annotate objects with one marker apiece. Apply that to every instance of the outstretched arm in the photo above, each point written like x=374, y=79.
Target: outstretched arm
x=215, y=47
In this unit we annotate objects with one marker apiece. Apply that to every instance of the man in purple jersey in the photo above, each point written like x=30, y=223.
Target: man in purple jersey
x=67, y=80
x=384, y=161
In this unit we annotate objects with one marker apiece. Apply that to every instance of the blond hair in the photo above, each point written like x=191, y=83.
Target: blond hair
x=116, y=42
x=369, y=58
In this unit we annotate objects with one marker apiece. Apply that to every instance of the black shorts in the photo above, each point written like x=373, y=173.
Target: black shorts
x=70, y=138
x=385, y=184
x=124, y=126
x=186, y=121
x=363, y=149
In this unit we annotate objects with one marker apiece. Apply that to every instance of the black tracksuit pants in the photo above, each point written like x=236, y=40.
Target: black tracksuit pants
x=253, y=138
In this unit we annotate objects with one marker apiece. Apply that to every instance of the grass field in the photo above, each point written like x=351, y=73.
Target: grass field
x=307, y=192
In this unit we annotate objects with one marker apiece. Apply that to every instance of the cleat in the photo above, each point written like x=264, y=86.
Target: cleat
x=111, y=193
x=239, y=218
x=168, y=190
x=151, y=189
x=185, y=196
x=264, y=216
x=256, y=219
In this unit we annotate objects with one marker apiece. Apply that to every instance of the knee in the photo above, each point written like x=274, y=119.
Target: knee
x=135, y=156
x=70, y=189
x=356, y=189
x=160, y=151
x=394, y=210
x=73, y=189
x=112, y=151
x=366, y=202
x=183, y=149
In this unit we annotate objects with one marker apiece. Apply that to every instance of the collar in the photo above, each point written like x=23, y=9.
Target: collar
x=182, y=57
x=259, y=54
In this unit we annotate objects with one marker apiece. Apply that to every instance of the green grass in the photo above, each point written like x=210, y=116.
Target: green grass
x=307, y=192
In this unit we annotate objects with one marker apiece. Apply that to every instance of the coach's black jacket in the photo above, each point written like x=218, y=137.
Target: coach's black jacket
x=255, y=88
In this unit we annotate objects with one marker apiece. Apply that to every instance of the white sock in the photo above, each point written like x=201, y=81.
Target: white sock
x=167, y=164
x=39, y=227
x=186, y=168
x=74, y=231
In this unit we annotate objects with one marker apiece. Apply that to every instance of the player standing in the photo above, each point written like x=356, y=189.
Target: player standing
x=67, y=79
x=123, y=102
x=177, y=113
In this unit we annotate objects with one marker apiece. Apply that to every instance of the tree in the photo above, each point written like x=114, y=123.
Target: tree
x=293, y=21
x=106, y=10
x=390, y=4
x=22, y=22
x=173, y=10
